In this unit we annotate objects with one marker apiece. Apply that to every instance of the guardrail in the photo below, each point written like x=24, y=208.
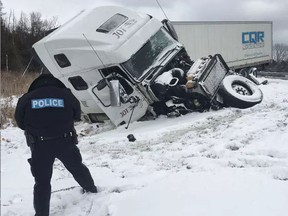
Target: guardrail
x=276, y=75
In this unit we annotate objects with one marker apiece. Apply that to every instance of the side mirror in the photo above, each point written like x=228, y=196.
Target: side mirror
x=101, y=84
x=115, y=93
x=168, y=25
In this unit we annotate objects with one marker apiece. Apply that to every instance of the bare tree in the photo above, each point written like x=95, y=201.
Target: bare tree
x=18, y=36
x=280, y=52
x=36, y=23
x=23, y=23
x=1, y=10
x=39, y=26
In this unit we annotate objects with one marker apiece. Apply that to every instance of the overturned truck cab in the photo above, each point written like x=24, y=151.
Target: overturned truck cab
x=125, y=66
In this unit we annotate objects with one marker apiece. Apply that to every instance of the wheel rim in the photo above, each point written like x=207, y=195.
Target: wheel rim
x=240, y=89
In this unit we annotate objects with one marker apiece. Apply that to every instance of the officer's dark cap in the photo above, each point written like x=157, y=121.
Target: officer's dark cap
x=45, y=80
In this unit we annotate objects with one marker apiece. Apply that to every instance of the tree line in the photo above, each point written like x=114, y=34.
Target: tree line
x=280, y=58
x=17, y=37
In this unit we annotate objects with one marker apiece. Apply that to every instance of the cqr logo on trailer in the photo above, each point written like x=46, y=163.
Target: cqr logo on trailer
x=253, y=39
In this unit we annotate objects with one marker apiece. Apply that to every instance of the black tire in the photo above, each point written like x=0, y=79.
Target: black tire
x=244, y=72
x=239, y=92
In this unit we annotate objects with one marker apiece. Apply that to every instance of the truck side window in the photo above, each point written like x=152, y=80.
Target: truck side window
x=103, y=94
x=62, y=60
x=122, y=78
x=78, y=83
x=126, y=86
x=114, y=69
x=112, y=23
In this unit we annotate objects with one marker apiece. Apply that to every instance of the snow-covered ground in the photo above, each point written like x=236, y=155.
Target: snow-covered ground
x=218, y=163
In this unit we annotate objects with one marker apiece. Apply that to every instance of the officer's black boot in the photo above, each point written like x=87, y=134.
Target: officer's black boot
x=42, y=196
x=92, y=189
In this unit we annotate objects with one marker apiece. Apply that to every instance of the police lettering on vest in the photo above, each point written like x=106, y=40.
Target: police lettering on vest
x=47, y=102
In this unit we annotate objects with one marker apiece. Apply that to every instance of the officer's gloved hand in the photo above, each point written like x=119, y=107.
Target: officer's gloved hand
x=30, y=139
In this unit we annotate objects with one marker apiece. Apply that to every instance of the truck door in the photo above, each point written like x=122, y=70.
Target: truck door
x=131, y=100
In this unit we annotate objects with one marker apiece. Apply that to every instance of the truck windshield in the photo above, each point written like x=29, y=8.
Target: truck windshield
x=145, y=58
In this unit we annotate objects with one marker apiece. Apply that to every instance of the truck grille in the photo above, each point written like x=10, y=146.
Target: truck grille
x=215, y=72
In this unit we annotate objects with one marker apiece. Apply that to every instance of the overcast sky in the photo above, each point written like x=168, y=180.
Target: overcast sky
x=176, y=10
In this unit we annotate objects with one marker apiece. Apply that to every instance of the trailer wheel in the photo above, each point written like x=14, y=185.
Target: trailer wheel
x=244, y=72
x=240, y=92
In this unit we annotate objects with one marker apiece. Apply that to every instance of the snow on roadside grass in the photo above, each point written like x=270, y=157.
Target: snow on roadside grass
x=225, y=162
x=218, y=193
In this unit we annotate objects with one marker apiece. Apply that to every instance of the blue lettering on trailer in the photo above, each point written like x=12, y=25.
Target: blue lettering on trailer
x=253, y=39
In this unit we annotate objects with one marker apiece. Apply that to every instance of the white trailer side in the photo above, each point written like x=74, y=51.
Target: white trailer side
x=241, y=43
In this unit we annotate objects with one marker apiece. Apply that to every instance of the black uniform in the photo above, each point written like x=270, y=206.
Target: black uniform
x=47, y=113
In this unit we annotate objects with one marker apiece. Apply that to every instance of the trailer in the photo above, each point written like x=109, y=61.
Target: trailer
x=243, y=44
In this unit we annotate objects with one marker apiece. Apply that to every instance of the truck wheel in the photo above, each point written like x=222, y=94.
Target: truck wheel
x=240, y=92
x=243, y=72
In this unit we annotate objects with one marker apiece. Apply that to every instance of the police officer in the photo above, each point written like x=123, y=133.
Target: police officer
x=46, y=113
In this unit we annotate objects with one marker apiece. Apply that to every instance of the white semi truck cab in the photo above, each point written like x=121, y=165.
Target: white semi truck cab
x=104, y=44
x=121, y=65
